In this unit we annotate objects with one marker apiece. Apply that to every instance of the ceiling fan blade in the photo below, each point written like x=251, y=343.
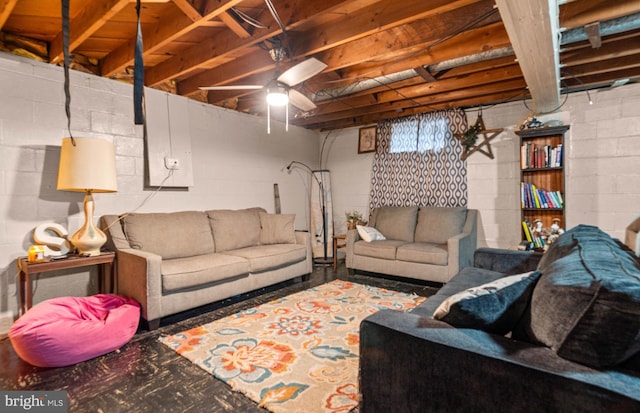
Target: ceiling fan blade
x=300, y=101
x=301, y=72
x=231, y=87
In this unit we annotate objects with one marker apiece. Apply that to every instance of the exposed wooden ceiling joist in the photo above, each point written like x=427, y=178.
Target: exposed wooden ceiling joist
x=385, y=58
x=533, y=28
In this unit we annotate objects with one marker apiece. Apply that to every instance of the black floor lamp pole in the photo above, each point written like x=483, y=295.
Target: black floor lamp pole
x=325, y=260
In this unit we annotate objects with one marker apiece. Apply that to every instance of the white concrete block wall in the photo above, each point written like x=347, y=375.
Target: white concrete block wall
x=235, y=164
x=350, y=175
x=604, y=159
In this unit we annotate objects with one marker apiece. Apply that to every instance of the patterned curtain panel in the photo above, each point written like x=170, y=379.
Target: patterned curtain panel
x=417, y=161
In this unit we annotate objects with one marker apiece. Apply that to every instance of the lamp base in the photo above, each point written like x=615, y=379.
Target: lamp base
x=88, y=239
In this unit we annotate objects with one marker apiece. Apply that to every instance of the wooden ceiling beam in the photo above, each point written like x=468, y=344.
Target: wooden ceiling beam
x=92, y=17
x=378, y=17
x=6, y=7
x=234, y=25
x=602, y=79
x=365, y=22
x=421, y=101
x=367, y=119
x=580, y=13
x=532, y=26
x=169, y=28
x=206, y=53
x=188, y=9
x=468, y=43
x=395, y=92
x=601, y=66
x=608, y=50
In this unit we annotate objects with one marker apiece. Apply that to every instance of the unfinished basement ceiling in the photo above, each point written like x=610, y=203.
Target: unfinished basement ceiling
x=384, y=58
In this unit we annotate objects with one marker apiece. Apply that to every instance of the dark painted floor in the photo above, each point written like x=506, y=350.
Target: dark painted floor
x=146, y=376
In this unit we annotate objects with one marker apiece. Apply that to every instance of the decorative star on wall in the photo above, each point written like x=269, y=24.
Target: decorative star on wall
x=485, y=145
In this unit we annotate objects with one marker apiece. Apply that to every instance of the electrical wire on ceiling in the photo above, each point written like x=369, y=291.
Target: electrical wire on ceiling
x=248, y=19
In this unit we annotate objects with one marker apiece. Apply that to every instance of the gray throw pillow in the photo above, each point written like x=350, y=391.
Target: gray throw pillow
x=495, y=307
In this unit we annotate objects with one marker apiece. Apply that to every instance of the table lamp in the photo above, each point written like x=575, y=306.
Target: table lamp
x=87, y=165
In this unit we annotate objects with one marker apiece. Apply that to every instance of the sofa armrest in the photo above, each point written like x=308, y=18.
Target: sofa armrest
x=140, y=277
x=304, y=238
x=410, y=363
x=505, y=261
x=462, y=246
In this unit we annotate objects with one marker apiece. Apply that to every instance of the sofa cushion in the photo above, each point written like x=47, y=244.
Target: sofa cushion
x=494, y=307
x=277, y=228
x=586, y=306
x=269, y=257
x=369, y=234
x=190, y=272
x=235, y=228
x=437, y=225
x=170, y=235
x=385, y=249
x=396, y=223
x=424, y=253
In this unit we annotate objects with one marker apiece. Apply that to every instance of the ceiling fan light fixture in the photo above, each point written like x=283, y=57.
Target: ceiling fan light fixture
x=277, y=96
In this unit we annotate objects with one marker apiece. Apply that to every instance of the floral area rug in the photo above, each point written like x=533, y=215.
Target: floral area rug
x=294, y=354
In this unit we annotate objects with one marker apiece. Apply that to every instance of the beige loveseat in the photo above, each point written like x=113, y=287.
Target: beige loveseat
x=426, y=243
x=171, y=262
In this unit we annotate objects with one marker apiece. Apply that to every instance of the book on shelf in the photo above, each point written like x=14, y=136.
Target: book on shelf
x=533, y=156
x=532, y=197
x=537, y=241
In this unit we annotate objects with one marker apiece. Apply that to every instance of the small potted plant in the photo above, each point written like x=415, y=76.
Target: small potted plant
x=354, y=218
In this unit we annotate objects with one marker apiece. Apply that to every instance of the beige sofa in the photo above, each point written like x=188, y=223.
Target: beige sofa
x=425, y=243
x=171, y=262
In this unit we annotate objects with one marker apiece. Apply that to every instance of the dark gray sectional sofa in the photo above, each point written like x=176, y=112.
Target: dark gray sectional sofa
x=575, y=347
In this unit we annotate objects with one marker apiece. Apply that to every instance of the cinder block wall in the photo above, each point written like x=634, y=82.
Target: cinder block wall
x=235, y=164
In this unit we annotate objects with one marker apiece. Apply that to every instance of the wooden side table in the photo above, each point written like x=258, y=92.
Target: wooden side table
x=338, y=242
x=105, y=260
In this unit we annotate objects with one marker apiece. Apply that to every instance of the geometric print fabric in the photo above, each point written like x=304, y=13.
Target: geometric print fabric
x=417, y=161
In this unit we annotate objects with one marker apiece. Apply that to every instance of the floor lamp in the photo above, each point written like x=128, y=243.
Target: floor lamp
x=324, y=260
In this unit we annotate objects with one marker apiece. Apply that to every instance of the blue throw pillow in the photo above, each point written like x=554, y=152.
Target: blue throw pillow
x=495, y=307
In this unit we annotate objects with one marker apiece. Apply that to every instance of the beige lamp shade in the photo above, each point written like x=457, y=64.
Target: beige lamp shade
x=89, y=166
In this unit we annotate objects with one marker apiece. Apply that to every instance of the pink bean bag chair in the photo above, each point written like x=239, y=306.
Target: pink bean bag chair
x=68, y=330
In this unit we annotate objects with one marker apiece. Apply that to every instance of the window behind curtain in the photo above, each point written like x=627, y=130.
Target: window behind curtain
x=417, y=161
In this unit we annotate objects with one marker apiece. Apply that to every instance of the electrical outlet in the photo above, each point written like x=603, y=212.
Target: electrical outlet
x=171, y=163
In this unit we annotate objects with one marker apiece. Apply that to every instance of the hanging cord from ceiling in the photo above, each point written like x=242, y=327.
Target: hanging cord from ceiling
x=65, y=51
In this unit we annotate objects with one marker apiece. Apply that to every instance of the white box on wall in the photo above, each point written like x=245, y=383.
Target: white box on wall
x=168, y=140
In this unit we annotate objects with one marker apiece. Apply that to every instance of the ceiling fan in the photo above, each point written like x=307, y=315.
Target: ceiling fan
x=280, y=90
